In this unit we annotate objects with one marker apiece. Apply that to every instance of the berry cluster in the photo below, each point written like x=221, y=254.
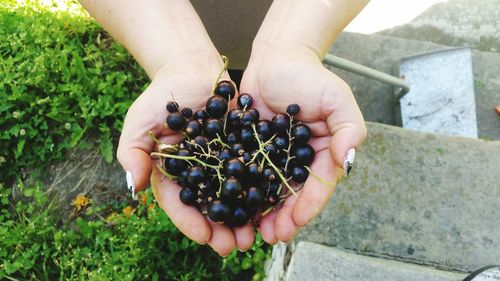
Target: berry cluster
x=231, y=164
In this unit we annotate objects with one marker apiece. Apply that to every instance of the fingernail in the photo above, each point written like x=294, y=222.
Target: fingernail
x=349, y=161
x=131, y=185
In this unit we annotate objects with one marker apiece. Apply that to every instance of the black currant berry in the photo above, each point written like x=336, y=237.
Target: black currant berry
x=224, y=154
x=171, y=166
x=200, y=115
x=281, y=123
x=231, y=188
x=232, y=138
x=196, y=175
x=238, y=218
x=187, y=112
x=188, y=196
x=233, y=118
x=272, y=195
x=226, y=90
x=301, y=134
x=176, y=121
x=245, y=101
x=254, y=172
x=193, y=128
x=254, y=198
x=237, y=149
x=216, y=106
x=200, y=144
x=172, y=107
x=218, y=211
x=265, y=129
x=247, y=157
x=299, y=174
x=246, y=135
x=281, y=142
x=269, y=174
x=271, y=150
x=293, y=109
x=213, y=127
x=304, y=155
x=234, y=168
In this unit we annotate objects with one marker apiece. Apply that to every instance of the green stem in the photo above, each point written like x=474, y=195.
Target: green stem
x=224, y=68
x=186, y=158
x=331, y=184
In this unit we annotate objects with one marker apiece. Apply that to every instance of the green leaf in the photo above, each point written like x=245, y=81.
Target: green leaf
x=77, y=134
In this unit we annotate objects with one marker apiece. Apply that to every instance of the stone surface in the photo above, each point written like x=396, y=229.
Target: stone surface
x=420, y=197
x=312, y=261
x=468, y=23
x=383, y=53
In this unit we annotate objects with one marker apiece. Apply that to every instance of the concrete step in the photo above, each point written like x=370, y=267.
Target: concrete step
x=462, y=23
x=419, y=197
x=383, y=53
x=311, y=261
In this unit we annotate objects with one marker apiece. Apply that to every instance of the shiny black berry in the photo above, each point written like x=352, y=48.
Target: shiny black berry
x=233, y=118
x=226, y=90
x=269, y=174
x=293, y=109
x=254, y=172
x=216, y=106
x=245, y=101
x=254, y=198
x=238, y=218
x=281, y=123
x=200, y=115
x=196, y=175
x=188, y=196
x=232, y=138
x=176, y=121
x=224, y=154
x=246, y=135
x=218, y=211
x=301, y=134
x=234, y=168
x=193, y=128
x=281, y=142
x=264, y=128
x=231, y=188
x=299, y=174
x=213, y=127
x=304, y=155
x=187, y=112
x=172, y=107
x=237, y=149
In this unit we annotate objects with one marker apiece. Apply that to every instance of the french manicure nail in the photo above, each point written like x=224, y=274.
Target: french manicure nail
x=349, y=161
x=131, y=185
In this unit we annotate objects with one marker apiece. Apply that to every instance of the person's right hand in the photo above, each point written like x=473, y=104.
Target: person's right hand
x=189, y=84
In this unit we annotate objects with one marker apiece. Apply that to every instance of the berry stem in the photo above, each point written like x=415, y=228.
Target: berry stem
x=290, y=139
x=330, y=184
x=266, y=157
x=186, y=158
x=165, y=173
x=223, y=69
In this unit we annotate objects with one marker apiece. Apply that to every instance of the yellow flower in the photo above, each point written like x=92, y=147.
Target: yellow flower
x=111, y=217
x=151, y=206
x=128, y=211
x=143, y=198
x=80, y=202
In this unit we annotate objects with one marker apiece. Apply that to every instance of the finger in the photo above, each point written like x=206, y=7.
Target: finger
x=186, y=218
x=285, y=227
x=316, y=193
x=267, y=228
x=222, y=240
x=244, y=237
x=344, y=120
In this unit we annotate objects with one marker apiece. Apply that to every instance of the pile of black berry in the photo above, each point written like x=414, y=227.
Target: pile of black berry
x=232, y=165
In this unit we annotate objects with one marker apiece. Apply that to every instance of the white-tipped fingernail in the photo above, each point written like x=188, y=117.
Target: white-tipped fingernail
x=131, y=185
x=349, y=161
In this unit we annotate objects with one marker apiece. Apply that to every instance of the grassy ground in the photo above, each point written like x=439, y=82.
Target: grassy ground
x=63, y=80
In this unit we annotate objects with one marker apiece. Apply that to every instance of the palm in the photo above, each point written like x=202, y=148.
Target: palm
x=189, y=87
x=327, y=106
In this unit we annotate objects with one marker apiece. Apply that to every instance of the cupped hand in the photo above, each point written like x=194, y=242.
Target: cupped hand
x=189, y=84
x=277, y=78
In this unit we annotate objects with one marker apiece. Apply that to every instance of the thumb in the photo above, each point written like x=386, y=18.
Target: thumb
x=346, y=125
x=137, y=165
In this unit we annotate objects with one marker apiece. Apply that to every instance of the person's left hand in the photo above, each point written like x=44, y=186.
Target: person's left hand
x=277, y=78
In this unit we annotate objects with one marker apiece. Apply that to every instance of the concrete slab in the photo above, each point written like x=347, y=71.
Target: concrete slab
x=420, y=197
x=312, y=261
x=461, y=23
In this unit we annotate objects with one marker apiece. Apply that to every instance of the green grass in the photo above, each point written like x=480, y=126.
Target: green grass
x=64, y=83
